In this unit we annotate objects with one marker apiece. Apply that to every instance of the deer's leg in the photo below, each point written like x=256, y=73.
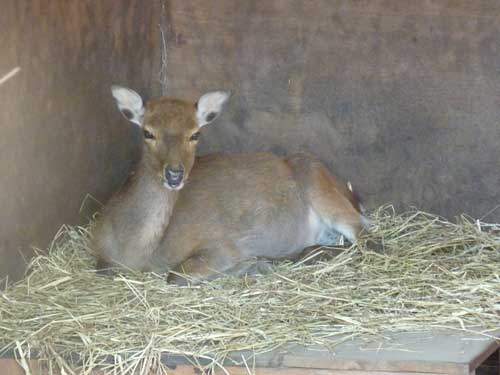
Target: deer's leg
x=205, y=264
x=252, y=267
x=104, y=268
x=338, y=208
x=333, y=203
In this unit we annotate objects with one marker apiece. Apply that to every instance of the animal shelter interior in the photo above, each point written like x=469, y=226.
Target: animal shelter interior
x=364, y=132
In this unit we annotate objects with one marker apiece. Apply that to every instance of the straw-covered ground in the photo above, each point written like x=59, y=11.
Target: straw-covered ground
x=432, y=274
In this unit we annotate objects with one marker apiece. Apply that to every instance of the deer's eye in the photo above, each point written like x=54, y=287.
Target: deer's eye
x=195, y=136
x=148, y=134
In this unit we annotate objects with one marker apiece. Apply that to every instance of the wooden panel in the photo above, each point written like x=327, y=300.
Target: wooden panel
x=437, y=352
x=401, y=97
x=11, y=367
x=187, y=370
x=61, y=136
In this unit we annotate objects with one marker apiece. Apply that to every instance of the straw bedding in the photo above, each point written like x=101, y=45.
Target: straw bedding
x=431, y=274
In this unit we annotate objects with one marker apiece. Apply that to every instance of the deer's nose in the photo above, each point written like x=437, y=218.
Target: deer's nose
x=174, y=176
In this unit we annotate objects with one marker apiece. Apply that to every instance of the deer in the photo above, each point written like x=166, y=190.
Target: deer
x=196, y=220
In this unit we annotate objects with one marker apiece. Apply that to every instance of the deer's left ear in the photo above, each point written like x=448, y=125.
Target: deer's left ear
x=209, y=106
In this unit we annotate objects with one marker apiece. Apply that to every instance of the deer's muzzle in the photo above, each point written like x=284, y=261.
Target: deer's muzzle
x=174, y=177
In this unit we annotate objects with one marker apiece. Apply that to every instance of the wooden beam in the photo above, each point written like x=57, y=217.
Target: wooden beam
x=9, y=366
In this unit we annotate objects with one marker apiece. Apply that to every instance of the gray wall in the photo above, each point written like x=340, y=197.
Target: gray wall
x=401, y=97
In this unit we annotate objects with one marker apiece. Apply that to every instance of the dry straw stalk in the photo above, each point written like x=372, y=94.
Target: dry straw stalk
x=431, y=274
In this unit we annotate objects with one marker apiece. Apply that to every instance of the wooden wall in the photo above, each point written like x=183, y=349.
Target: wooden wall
x=61, y=136
x=401, y=97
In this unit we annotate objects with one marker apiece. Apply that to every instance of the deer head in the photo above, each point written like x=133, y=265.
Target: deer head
x=171, y=129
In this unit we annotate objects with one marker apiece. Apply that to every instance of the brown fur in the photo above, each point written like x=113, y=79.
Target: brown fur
x=172, y=121
x=233, y=208
x=244, y=206
x=132, y=223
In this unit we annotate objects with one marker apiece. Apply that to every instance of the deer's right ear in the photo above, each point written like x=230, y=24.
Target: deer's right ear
x=129, y=103
x=209, y=106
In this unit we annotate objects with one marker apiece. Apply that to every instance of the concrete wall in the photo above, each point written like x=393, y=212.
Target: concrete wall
x=401, y=97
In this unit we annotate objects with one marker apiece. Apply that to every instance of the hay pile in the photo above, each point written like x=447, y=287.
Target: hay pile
x=433, y=274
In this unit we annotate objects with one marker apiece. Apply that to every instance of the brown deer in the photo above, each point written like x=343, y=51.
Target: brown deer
x=233, y=207
x=134, y=220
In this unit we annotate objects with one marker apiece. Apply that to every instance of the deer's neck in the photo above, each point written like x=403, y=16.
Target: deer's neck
x=156, y=201
x=145, y=205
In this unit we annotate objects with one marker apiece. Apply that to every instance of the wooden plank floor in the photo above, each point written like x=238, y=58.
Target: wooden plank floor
x=438, y=352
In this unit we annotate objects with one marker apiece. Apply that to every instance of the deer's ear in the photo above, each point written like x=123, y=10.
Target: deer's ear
x=209, y=106
x=129, y=103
